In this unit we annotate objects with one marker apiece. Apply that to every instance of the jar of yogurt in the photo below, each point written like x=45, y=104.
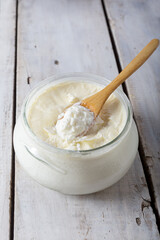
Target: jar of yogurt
x=83, y=164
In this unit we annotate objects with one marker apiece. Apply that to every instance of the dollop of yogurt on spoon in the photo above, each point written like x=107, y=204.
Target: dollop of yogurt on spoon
x=74, y=122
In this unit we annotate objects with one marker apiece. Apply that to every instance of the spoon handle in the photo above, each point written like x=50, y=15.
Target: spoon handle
x=96, y=101
x=132, y=66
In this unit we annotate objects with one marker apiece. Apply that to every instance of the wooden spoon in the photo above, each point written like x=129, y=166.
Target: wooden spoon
x=96, y=101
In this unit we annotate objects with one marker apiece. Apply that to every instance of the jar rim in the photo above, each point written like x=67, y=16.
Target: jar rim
x=90, y=77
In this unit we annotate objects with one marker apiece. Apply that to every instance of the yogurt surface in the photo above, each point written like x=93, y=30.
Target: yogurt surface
x=50, y=105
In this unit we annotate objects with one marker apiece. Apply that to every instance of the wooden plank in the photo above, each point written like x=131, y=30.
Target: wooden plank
x=74, y=33
x=134, y=24
x=7, y=39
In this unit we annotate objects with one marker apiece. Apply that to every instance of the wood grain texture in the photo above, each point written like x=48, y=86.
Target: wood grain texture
x=134, y=23
x=7, y=40
x=67, y=36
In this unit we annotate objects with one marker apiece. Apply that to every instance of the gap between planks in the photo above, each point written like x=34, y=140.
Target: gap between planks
x=140, y=149
x=12, y=184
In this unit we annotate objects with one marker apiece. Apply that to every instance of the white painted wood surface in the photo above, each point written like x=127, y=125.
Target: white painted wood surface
x=7, y=39
x=134, y=24
x=74, y=33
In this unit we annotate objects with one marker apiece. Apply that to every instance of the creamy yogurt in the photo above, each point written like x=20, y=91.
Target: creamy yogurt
x=75, y=121
x=63, y=168
x=53, y=123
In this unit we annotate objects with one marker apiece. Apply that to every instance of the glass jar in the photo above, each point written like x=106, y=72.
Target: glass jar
x=75, y=172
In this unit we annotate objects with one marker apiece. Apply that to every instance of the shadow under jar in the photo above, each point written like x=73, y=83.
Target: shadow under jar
x=72, y=171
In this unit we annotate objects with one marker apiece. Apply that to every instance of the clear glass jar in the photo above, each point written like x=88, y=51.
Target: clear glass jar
x=75, y=172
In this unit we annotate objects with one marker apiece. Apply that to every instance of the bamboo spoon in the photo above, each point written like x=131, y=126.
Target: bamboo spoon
x=96, y=101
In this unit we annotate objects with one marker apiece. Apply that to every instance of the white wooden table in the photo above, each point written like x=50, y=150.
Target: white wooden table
x=39, y=38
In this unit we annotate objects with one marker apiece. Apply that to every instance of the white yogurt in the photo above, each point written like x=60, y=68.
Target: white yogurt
x=75, y=121
x=72, y=171
x=69, y=131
